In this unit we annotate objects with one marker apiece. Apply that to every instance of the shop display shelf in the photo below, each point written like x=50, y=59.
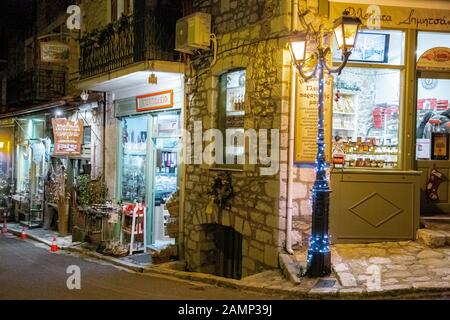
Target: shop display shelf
x=344, y=113
x=345, y=129
x=373, y=154
x=134, y=153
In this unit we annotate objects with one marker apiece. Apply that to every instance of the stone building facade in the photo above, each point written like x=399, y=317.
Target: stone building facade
x=250, y=35
x=253, y=35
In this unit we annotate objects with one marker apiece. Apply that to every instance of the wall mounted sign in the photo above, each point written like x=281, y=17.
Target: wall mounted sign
x=306, y=120
x=68, y=136
x=54, y=52
x=154, y=101
x=435, y=59
x=395, y=17
x=371, y=47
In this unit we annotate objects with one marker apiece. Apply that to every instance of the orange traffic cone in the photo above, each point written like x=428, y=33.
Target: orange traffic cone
x=54, y=246
x=23, y=236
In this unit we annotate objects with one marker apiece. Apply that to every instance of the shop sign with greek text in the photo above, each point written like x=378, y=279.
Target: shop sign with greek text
x=68, y=136
x=154, y=101
x=394, y=17
x=54, y=52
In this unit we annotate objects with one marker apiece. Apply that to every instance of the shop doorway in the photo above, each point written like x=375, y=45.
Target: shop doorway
x=433, y=124
x=149, y=168
x=432, y=144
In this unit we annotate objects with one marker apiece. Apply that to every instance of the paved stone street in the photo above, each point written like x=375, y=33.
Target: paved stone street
x=401, y=266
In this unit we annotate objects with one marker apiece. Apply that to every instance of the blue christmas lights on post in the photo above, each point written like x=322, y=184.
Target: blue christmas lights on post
x=346, y=30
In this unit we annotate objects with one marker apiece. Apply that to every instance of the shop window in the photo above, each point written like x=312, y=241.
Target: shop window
x=87, y=135
x=231, y=114
x=30, y=156
x=366, y=113
x=367, y=105
x=428, y=40
x=376, y=46
x=433, y=119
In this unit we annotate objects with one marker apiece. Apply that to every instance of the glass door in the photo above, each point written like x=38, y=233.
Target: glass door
x=149, y=169
x=133, y=166
x=433, y=113
x=432, y=142
x=134, y=163
x=165, y=143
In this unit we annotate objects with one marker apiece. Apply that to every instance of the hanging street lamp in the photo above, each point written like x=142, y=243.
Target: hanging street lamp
x=345, y=30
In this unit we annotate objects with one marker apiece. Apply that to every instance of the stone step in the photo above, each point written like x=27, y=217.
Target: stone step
x=290, y=267
x=443, y=219
x=434, y=238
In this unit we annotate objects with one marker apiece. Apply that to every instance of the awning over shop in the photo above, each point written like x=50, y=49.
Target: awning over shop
x=68, y=103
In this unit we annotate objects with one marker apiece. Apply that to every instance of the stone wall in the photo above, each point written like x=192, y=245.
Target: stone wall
x=94, y=14
x=253, y=41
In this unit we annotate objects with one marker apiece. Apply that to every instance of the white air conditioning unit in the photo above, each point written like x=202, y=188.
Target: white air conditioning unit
x=193, y=33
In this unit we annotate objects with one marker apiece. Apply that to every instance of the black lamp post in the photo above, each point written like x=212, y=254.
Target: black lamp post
x=345, y=29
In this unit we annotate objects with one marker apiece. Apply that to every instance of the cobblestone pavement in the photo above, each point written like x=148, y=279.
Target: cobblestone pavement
x=391, y=266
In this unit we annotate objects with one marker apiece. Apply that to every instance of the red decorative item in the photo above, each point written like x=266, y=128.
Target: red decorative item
x=433, y=103
x=337, y=96
x=378, y=117
x=435, y=179
x=442, y=105
x=420, y=103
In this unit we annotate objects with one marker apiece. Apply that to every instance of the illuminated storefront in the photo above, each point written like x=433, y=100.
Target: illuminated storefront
x=382, y=104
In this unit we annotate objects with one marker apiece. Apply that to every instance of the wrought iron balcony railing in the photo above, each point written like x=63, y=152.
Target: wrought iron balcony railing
x=36, y=85
x=129, y=40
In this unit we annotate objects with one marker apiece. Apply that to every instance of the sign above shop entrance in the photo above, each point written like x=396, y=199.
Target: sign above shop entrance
x=68, y=136
x=54, y=52
x=395, y=17
x=435, y=59
x=154, y=101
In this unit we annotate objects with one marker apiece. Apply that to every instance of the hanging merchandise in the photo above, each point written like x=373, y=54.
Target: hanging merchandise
x=435, y=179
x=26, y=153
x=38, y=152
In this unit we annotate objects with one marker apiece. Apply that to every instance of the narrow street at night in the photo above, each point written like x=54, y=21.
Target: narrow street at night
x=29, y=271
